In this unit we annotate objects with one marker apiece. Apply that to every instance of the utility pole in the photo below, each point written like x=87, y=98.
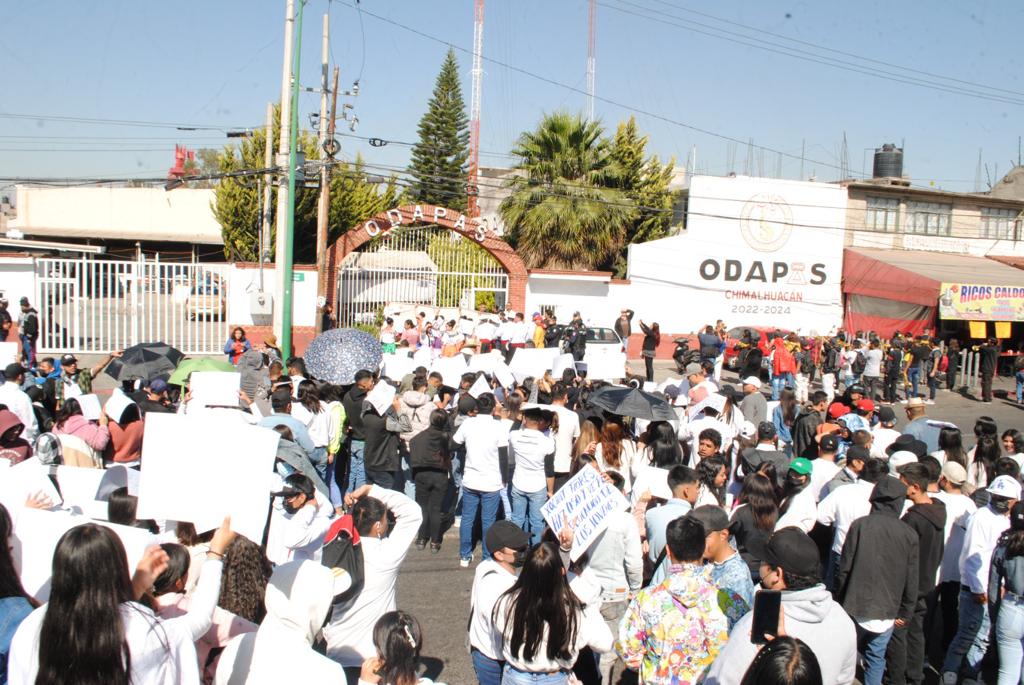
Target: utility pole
x=268, y=161
x=591, y=58
x=473, y=208
x=283, y=289
x=327, y=153
x=289, y=144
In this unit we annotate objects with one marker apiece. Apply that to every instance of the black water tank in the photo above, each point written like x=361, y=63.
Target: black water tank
x=888, y=162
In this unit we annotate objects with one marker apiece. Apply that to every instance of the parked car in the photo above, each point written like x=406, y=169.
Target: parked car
x=604, y=340
x=206, y=300
x=760, y=335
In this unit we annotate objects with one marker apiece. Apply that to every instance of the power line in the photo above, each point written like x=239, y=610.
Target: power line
x=118, y=122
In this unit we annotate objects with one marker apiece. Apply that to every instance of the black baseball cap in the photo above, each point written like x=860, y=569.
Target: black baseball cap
x=829, y=443
x=790, y=549
x=296, y=484
x=857, y=452
x=68, y=359
x=711, y=517
x=886, y=414
x=766, y=430
x=504, y=534
x=908, y=443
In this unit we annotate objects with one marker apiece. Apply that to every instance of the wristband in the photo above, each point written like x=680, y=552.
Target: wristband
x=219, y=555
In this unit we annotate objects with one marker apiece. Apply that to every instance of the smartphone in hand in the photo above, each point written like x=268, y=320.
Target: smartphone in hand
x=767, y=604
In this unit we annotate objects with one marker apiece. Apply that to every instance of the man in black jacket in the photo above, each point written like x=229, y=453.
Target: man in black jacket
x=355, y=475
x=382, y=437
x=878, y=574
x=927, y=516
x=989, y=353
x=805, y=428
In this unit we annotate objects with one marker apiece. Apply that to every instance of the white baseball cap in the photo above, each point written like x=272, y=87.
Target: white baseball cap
x=1005, y=486
x=752, y=380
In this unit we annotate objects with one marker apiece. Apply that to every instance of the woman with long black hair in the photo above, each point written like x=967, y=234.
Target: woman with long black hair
x=652, y=338
x=1006, y=597
x=94, y=631
x=15, y=603
x=982, y=469
x=398, y=639
x=542, y=623
x=754, y=518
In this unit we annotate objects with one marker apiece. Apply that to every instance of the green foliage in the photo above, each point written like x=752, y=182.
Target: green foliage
x=485, y=301
x=438, y=164
x=448, y=248
x=236, y=201
x=565, y=210
x=645, y=181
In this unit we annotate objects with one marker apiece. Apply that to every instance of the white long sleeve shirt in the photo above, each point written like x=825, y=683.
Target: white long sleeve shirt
x=160, y=656
x=19, y=403
x=350, y=633
x=983, y=531
x=490, y=581
x=842, y=507
x=802, y=511
x=959, y=509
x=616, y=557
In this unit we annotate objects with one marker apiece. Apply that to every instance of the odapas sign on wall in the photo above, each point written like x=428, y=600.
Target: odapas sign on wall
x=758, y=252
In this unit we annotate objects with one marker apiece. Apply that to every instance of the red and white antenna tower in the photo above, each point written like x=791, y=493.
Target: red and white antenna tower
x=474, y=107
x=591, y=58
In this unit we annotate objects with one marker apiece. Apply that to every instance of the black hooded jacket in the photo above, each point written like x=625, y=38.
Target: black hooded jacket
x=929, y=522
x=878, y=572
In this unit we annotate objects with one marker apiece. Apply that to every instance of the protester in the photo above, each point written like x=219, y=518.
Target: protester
x=16, y=401
x=989, y=359
x=919, y=426
x=791, y=565
x=28, y=331
x=959, y=508
x=753, y=520
x=1006, y=597
x=783, y=418
x=532, y=453
x=883, y=433
x=684, y=485
x=73, y=381
x=567, y=433
x=844, y=506
x=67, y=632
x=543, y=625
x=281, y=402
x=784, y=661
x=728, y=571
x=69, y=421
x=764, y=452
x=237, y=345
x=299, y=521
x=652, y=338
x=674, y=630
x=754, y=406
x=15, y=603
x=431, y=465
x=616, y=452
x=805, y=428
x=856, y=459
x=382, y=435
x=14, y=448
x=353, y=404
x=799, y=505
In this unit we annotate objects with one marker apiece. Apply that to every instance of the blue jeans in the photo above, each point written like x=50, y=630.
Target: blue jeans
x=1010, y=638
x=1020, y=386
x=781, y=381
x=356, y=466
x=914, y=376
x=488, y=671
x=453, y=499
x=526, y=506
x=319, y=461
x=27, y=349
x=514, y=677
x=332, y=484
x=487, y=503
x=872, y=646
x=971, y=640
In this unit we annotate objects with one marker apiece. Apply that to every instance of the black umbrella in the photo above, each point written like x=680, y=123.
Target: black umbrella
x=632, y=402
x=144, y=361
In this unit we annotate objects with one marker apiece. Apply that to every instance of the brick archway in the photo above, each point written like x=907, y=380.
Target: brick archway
x=410, y=215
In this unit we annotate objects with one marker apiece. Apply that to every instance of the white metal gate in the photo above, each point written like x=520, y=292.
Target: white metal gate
x=89, y=305
x=426, y=265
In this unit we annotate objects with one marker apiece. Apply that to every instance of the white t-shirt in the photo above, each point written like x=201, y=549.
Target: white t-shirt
x=873, y=363
x=822, y=471
x=842, y=507
x=527, y=448
x=565, y=436
x=482, y=436
x=490, y=581
x=847, y=360
x=958, y=510
x=517, y=332
x=881, y=438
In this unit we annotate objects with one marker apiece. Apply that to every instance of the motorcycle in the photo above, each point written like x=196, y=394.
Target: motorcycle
x=683, y=355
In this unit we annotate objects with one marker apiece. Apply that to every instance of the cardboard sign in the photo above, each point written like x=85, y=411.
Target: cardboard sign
x=451, y=369
x=504, y=376
x=35, y=537
x=480, y=387
x=198, y=469
x=90, y=405
x=583, y=503
x=607, y=366
x=214, y=388
x=396, y=366
x=115, y=406
x=23, y=480
x=561, y=363
x=485, y=362
x=381, y=397
x=8, y=353
x=533, y=362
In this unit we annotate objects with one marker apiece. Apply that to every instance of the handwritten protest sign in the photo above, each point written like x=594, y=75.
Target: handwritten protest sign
x=605, y=366
x=583, y=503
x=214, y=388
x=198, y=469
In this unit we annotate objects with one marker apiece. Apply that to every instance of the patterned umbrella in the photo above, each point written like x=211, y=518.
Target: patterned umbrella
x=336, y=355
x=144, y=361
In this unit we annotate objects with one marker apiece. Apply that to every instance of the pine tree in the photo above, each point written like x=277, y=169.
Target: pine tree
x=645, y=182
x=438, y=164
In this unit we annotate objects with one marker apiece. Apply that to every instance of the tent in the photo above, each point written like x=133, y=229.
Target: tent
x=889, y=290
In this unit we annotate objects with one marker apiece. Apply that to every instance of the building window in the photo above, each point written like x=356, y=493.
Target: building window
x=882, y=214
x=929, y=218
x=998, y=223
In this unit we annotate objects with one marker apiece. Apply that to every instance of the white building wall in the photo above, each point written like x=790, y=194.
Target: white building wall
x=17, y=280
x=595, y=298
x=244, y=283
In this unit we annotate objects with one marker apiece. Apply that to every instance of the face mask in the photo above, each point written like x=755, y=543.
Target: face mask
x=520, y=559
x=794, y=480
x=289, y=507
x=1001, y=505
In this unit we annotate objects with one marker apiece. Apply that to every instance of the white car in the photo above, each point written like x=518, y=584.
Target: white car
x=604, y=340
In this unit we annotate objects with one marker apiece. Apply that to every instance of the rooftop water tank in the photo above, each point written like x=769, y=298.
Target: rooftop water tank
x=888, y=162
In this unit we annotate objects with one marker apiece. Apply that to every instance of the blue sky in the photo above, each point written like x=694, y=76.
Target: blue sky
x=219, y=63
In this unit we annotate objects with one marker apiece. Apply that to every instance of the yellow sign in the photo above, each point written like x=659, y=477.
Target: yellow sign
x=1002, y=329
x=978, y=330
x=975, y=302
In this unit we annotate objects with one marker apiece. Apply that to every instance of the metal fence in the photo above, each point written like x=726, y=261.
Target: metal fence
x=424, y=265
x=98, y=306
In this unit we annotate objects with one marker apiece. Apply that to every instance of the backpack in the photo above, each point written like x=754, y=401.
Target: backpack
x=859, y=363
x=944, y=363
x=342, y=552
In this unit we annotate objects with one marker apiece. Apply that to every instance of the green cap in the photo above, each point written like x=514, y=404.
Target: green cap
x=801, y=466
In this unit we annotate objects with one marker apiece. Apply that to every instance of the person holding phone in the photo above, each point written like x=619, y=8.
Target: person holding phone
x=790, y=564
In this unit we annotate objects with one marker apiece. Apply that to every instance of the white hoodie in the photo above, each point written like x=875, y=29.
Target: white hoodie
x=298, y=598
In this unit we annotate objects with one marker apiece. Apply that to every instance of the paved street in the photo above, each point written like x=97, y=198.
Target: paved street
x=436, y=590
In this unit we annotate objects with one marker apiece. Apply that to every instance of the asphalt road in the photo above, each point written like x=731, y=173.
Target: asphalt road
x=436, y=590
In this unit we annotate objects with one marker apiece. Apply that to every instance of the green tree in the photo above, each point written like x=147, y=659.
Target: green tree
x=438, y=165
x=645, y=181
x=564, y=211
x=236, y=203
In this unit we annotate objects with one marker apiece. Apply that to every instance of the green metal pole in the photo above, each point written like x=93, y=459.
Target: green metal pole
x=289, y=240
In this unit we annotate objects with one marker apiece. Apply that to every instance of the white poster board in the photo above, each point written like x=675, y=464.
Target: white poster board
x=396, y=366
x=23, y=480
x=115, y=406
x=90, y=405
x=583, y=503
x=479, y=387
x=605, y=366
x=504, y=376
x=214, y=388
x=35, y=537
x=381, y=396
x=451, y=369
x=79, y=485
x=197, y=469
x=561, y=363
x=485, y=362
x=533, y=362
x=8, y=354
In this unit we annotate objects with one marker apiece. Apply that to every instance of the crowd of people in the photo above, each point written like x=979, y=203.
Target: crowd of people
x=892, y=546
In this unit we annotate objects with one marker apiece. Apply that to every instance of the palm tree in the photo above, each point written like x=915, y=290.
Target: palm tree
x=562, y=213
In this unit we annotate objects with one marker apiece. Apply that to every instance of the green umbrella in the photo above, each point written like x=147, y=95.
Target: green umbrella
x=185, y=368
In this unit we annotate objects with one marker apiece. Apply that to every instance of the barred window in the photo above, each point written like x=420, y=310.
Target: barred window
x=929, y=218
x=882, y=214
x=999, y=223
